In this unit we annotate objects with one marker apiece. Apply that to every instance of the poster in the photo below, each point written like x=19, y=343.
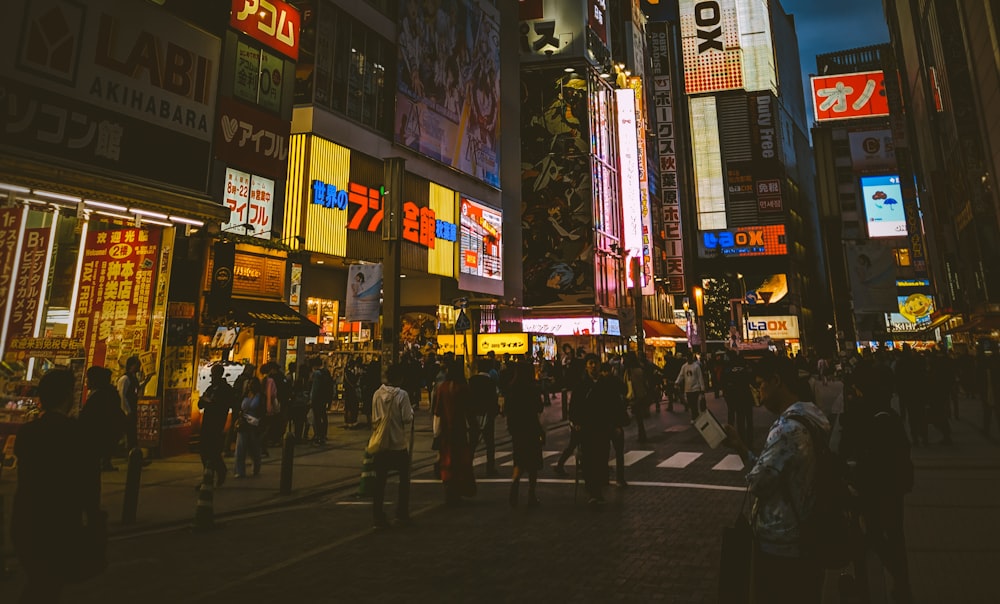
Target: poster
x=28, y=284
x=364, y=292
x=447, y=106
x=872, y=273
x=117, y=284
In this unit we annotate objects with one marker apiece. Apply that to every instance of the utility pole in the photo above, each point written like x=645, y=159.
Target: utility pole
x=640, y=334
x=392, y=207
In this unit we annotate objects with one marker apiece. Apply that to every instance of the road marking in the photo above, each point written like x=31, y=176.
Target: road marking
x=674, y=485
x=632, y=457
x=482, y=458
x=545, y=454
x=679, y=460
x=729, y=462
x=678, y=428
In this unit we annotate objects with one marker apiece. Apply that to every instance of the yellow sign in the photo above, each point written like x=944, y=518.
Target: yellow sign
x=452, y=343
x=502, y=343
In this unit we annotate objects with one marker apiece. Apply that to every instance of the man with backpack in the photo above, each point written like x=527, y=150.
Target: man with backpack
x=320, y=396
x=784, y=478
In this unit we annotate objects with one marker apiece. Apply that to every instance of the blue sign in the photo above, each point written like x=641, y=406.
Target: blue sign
x=328, y=196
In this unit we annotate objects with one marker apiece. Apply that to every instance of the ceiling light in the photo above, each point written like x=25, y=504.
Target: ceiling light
x=113, y=215
x=321, y=262
x=605, y=75
x=58, y=196
x=569, y=70
x=147, y=213
x=14, y=188
x=106, y=206
x=156, y=222
x=183, y=220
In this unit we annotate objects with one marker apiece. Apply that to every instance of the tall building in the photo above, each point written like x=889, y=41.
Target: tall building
x=946, y=55
x=866, y=194
x=754, y=217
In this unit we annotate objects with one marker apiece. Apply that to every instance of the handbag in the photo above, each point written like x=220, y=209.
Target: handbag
x=378, y=442
x=735, y=559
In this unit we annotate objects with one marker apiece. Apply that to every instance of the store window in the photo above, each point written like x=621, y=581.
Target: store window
x=325, y=314
x=351, y=70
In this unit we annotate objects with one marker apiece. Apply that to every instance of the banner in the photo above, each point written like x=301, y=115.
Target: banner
x=117, y=284
x=872, y=272
x=364, y=292
x=28, y=284
x=10, y=224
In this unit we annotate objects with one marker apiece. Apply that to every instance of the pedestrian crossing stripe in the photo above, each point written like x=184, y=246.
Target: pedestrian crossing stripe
x=677, y=461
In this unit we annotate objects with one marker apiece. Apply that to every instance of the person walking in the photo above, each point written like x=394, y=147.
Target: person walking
x=523, y=408
x=130, y=387
x=782, y=479
x=636, y=392
x=298, y=411
x=240, y=386
x=390, y=445
x=321, y=393
x=102, y=418
x=453, y=423
x=248, y=434
x=912, y=387
x=620, y=408
x=218, y=400
x=272, y=406
x=58, y=485
x=486, y=405
x=593, y=417
x=691, y=381
x=352, y=394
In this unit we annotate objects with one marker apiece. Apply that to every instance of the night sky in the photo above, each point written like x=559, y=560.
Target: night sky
x=824, y=26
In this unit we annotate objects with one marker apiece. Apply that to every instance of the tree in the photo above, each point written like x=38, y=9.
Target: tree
x=718, y=292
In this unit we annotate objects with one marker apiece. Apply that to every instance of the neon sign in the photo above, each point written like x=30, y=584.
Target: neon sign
x=365, y=203
x=744, y=241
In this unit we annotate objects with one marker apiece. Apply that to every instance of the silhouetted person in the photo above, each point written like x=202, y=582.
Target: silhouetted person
x=485, y=404
x=130, y=388
x=215, y=403
x=592, y=415
x=58, y=485
x=102, y=418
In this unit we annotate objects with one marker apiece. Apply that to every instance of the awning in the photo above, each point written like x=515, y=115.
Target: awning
x=659, y=329
x=978, y=324
x=270, y=318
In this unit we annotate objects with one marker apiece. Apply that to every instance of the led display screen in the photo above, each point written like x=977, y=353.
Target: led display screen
x=743, y=241
x=628, y=148
x=883, y=206
x=481, y=242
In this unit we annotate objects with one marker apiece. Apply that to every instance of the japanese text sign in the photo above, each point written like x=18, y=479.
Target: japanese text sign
x=252, y=139
x=28, y=284
x=271, y=22
x=10, y=223
x=744, y=241
x=848, y=96
x=251, y=202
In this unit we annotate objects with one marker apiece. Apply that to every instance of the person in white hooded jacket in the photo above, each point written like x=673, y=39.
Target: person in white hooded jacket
x=691, y=381
x=390, y=445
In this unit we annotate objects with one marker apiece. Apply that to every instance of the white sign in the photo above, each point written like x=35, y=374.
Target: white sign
x=872, y=150
x=364, y=292
x=130, y=57
x=569, y=326
x=628, y=159
x=782, y=327
x=251, y=202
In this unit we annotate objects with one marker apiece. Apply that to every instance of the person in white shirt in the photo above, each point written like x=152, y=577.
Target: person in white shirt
x=691, y=381
x=390, y=445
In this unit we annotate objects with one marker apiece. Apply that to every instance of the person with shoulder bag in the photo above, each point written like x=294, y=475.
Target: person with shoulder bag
x=389, y=446
x=248, y=429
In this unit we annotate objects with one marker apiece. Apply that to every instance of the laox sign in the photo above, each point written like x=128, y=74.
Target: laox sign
x=708, y=14
x=767, y=325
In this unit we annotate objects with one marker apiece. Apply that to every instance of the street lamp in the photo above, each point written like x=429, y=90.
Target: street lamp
x=699, y=306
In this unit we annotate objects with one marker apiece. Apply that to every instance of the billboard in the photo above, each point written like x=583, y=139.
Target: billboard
x=883, y=206
x=480, y=242
x=273, y=23
x=872, y=273
x=782, y=327
x=710, y=42
x=447, y=102
x=251, y=202
x=709, y=183
x=849, y=96
x=916, y=300
x=556, y=189
x=743, y=241
x=872, y=150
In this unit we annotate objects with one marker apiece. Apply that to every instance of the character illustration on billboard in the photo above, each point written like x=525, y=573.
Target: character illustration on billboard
x=447, y=106
x=418, y=329
x=556, y=208
x=872, y=275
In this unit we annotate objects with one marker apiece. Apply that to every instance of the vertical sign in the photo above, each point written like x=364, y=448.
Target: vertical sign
x=251, y=202
x=648, y=288
x=28, y=284
x=10, y=225
x=663, y=111
x=628, y=150
x=116, y=294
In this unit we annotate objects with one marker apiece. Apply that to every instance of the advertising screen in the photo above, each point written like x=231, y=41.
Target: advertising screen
x=628, y=160
x=710, y=42
x=447, y=106
x=872, y=150
x=709, y=184
x=883, y=206
x=849, y=96
x=744, y=241
x=916, y=302
x=481, y=240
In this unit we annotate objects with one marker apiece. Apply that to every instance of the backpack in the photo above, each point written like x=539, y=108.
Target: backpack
x=826, y=533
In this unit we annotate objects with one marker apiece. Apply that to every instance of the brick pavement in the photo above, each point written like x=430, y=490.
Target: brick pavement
x=626, y=553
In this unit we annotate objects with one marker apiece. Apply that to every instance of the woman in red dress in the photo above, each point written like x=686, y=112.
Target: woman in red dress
x=454, y=426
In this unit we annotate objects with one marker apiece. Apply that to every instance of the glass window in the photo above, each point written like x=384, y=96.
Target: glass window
x=352, y=78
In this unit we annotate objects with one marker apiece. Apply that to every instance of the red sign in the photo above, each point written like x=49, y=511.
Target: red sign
x=10, y=224
x=419, y=224
x=271, y=22
x=28, y=284
x=251, y=139
x=116, y=294
x=848, y=96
